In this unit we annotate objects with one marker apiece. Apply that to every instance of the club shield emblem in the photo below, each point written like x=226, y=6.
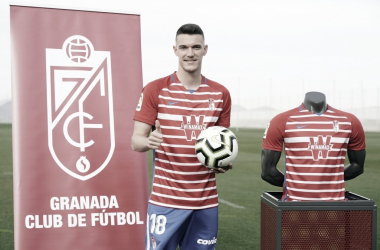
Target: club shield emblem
x=336, y=126
x=81, y=135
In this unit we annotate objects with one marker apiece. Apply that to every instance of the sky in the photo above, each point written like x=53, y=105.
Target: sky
x=266, y=52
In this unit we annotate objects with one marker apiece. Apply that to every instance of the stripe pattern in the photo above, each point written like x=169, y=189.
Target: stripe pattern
x=315, y=148
x=180, y=180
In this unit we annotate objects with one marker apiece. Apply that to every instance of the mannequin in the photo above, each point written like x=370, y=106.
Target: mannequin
x=314, y=102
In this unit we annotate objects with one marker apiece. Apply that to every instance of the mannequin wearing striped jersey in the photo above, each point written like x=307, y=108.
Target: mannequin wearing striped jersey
x=315, y=102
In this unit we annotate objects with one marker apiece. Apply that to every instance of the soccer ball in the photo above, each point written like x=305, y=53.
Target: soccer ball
x=216, y=147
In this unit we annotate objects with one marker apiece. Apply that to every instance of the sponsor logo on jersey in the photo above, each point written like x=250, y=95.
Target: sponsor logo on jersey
x=266, y=131
x=172, y=103
x=336, y=126
x=211, y=104
x=320, y=147
x=139, y=104
x=193, y=126
x=207, y=242
x=299, y=127
x=81, y=137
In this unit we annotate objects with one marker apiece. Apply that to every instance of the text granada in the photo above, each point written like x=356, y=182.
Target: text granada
x=83, y=202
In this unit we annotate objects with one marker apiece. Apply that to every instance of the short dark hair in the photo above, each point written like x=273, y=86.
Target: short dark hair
x=190, y=29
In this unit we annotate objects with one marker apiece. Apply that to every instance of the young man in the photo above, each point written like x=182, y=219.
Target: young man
x=183, y=206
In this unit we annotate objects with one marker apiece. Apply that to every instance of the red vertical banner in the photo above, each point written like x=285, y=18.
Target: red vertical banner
x=76, y=79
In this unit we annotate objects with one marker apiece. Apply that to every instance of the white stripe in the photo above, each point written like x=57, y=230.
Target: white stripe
x=230, y=204
x=313, y=115
x=174, y=136
x=204, y=85
x=183, y=173
x=180, y=117
x=314, y=174
x=316, y=191
x=297, y=149
x=315, y=182
x=184, y=190
x=185, y=198
x=338, y=149
x=179, y=181
x=310, y=157
x=316, y=130
x=310, y=199
x=179, y=155
x=171, y=127
x=313, y=122
x=186, y=100
x=182, y=207
x=307, y=139
x=189, y=93
x=314, y=165
x=306, y=149
x=147, y=233
x=178, y=145
x=186, y=108
x=179, y=163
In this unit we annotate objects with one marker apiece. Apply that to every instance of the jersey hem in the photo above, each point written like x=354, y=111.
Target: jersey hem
x=182, y=207
x=271, y=148
x=143, y=120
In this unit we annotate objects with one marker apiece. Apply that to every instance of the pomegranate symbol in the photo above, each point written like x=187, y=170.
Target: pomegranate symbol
x=83, y=165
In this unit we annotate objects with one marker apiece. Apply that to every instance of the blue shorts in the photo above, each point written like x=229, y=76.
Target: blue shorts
x=168, y=228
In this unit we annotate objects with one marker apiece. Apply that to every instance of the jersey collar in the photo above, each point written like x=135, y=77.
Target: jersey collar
x=176, y=80
x=302, y=107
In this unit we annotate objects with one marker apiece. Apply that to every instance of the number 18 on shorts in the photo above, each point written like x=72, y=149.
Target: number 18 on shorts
x=191, y=229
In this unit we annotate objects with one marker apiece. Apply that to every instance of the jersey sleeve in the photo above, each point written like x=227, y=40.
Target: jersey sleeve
x=357, y=138
x=224, y=118
x=147, y=108
x=274, y=134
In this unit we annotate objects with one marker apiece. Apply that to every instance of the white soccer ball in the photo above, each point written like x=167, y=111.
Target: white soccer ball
x=216, y=147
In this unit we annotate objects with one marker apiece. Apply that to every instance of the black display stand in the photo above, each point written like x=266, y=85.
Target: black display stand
x=293, y=225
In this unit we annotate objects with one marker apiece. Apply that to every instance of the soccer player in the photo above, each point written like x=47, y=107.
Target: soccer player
x=316, y=138
x=183, y=205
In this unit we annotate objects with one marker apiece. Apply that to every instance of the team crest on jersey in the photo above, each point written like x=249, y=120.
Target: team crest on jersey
x=336, y=126
x=320, y=147
x=81, y=137
x=193, y=126
x=211, y=104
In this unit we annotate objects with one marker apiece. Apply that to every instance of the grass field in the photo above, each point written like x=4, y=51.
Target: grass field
x=239, y=228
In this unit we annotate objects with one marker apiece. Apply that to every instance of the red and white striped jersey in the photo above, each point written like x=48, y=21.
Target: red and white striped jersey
x=180, y=180
x=315, y=148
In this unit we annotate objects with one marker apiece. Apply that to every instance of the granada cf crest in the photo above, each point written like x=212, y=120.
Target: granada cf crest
x=336, y=126
x=211, y=104
x=80, y=115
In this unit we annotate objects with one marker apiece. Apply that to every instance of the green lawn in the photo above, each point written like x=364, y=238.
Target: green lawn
x=6, y=188
x=239, y=228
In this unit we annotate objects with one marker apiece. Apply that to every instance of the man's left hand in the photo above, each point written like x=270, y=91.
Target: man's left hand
x=222, y=170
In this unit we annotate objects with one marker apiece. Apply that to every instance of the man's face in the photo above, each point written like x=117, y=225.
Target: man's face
x=190, y=50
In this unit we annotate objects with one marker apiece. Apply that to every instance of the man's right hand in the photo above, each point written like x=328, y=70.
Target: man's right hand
x=155, y=138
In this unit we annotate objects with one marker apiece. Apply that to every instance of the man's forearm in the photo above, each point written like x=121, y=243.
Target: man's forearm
x=140, y=143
